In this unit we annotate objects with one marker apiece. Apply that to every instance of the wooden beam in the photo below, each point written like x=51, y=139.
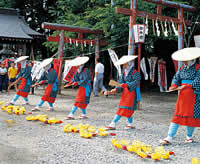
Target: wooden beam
x=124, y=11
x=162, y=18
x=173, y=5
x=54, y=26
x=152, y=16
x=74, y=40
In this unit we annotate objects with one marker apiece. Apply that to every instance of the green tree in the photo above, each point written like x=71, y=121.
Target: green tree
x=7, y=3
x=100, y=14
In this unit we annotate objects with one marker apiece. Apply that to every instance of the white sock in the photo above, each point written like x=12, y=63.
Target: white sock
x=37, y=107
x=168, y=138
x=130, y=124
x=188, y=137
x=13, y=102
x=70, y=115
x=112, y=124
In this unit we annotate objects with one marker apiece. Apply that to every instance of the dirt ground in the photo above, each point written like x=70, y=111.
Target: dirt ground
x=27, y=142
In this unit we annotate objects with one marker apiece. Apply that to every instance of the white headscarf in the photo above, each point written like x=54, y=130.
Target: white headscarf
x=130, y=66
x=47, y=68
x=190, y=63
x=80, y=68
x=23, y=64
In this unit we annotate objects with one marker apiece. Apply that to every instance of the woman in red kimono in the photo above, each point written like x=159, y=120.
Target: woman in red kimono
x=49, y=77
x=187, y=81
x=129, y=82
x=82, y=79
x=25, y=77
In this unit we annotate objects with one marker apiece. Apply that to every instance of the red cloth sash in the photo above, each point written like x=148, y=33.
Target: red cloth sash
x=81, y=94
x=22, y=84
x=48, y=90
x=48, y=99
x=23, y=94
x=185, y=103
x=127, y=100
x=80, y=98
x=184, y=108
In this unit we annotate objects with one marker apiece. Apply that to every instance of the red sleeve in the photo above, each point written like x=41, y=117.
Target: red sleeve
x=18, y=67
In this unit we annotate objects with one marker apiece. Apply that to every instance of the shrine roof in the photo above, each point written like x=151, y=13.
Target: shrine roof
x=14, y=28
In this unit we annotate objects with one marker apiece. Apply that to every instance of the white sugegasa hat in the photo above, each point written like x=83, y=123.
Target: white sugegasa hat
x=46, y=62
x=79, y=61
x=186, y=54
x=21, y=58
x=125, y=59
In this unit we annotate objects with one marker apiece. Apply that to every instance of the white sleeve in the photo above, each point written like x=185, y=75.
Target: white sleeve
x=96, y=68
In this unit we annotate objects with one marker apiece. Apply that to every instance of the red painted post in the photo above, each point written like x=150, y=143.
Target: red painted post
x=180, y=33
x=139, y=56
x=180, y=29
x=131, y=44
x=159, y=9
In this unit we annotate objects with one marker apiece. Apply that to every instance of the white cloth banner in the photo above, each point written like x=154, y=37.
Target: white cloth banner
x=36, y=71
x=143, y=68
x=152, y=64
x=162, y=76
x=66, y=69
x=114, y=59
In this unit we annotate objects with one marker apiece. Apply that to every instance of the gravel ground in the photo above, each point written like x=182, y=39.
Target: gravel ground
x=33, y=142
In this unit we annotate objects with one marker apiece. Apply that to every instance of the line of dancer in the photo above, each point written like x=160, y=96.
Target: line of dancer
x=186, y=81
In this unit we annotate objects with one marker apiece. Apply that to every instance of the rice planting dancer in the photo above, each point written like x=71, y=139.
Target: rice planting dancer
x=50, y=77
x=25, y=77
x=187, y=81
x=82, y=80
x=128, y=84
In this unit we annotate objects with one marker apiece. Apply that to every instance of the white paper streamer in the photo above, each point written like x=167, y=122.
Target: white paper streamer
x=114, y=59
x=166, y=31
x=157, y=28
x=143, y=68
x=146, y=26
x=174, y=29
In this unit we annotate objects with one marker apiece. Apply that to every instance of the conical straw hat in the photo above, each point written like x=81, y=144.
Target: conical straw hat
x=21, y=58
x=46, y=62
x=79, y=61
x=186, y=54
x=125, y=59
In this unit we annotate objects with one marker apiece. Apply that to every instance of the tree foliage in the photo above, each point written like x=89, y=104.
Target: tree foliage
x=99, y=14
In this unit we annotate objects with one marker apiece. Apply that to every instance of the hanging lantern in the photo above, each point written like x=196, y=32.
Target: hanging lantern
x=139, y=33
x=197, y=41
